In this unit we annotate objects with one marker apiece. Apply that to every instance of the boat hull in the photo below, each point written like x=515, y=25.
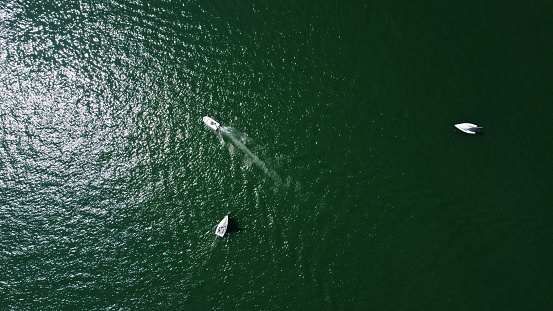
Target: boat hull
x=222, y=227
x=468, y=128
x=214, y=125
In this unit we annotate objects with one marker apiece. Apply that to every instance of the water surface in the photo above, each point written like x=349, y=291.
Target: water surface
x=342, y=170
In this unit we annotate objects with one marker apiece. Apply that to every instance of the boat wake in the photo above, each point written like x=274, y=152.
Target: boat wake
x=230, y=134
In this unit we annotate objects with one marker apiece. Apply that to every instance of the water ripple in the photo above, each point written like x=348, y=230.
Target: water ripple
x=113, y=185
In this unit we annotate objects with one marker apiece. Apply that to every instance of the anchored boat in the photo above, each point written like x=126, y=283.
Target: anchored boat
x=214, y=125
x=469, y=128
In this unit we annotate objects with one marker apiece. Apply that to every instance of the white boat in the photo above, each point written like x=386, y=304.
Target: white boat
x=469, y=128
x=211, y=123
x=222, y=227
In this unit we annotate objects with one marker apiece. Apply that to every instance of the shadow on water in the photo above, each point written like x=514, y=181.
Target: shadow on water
x=233, y=226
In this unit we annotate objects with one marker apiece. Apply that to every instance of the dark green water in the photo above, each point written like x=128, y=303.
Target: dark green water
x=341, y=168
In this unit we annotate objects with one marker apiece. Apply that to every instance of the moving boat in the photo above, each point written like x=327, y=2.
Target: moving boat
x=211, y=123
x=222, y=227
x=469, y=128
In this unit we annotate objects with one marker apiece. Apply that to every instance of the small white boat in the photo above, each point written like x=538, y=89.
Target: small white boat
x=211, y=123
x=222, y=227
x=469, y=128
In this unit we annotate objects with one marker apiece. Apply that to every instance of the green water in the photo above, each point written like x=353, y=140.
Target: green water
x=349, y=187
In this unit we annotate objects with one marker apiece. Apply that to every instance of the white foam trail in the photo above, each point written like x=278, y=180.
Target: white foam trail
x=228, y=132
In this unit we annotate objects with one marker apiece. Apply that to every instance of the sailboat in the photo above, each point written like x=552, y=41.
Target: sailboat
x=222, y=227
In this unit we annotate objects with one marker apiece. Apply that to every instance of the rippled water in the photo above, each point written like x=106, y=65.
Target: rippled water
x=111, y=181
x=348, y=186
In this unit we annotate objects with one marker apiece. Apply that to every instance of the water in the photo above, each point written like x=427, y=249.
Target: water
x=352, y=190
x=232, y=135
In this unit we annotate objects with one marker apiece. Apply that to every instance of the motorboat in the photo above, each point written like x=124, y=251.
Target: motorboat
x=214, y=125
x=469, y=128
x=222, y=227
